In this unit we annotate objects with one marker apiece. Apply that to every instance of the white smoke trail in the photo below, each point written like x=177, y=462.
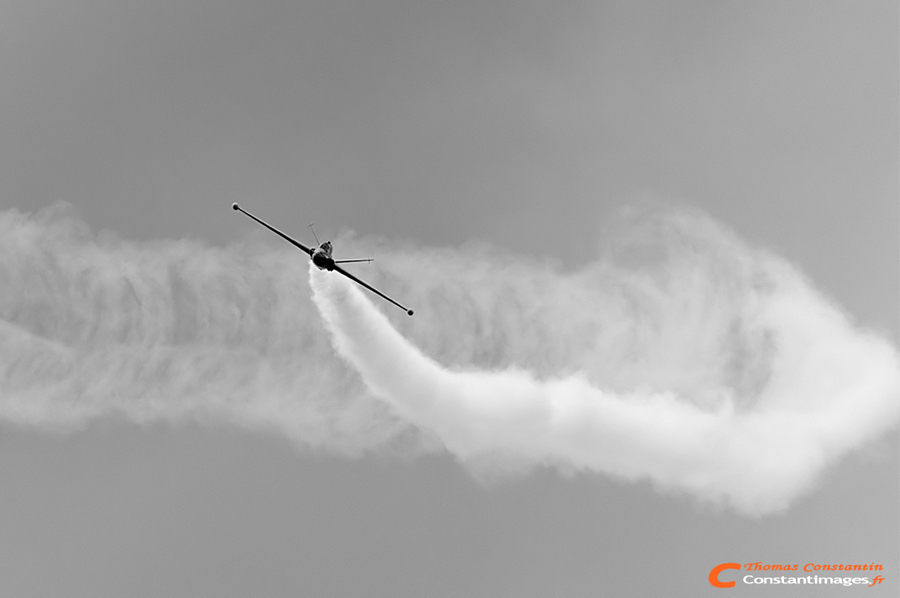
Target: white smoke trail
x=826, y=389
x=169, y=331
x=681, y=355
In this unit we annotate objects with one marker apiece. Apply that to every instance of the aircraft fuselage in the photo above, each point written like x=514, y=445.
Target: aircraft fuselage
x=321, y=257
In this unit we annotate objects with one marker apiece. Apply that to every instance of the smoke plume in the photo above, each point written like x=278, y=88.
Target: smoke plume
x=681, y=355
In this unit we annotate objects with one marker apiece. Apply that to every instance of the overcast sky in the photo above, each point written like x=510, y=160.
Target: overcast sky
x=520, y=126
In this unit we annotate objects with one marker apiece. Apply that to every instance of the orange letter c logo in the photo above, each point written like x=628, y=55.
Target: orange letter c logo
x=714, y=575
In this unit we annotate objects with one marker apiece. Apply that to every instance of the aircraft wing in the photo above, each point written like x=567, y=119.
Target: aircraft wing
x=371, y=288
x=293, y=242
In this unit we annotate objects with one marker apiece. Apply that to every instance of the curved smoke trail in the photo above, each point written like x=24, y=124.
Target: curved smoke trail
x=827, y=389
x=681, y=355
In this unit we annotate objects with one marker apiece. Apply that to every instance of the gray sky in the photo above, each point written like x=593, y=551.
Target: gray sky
x=522, y=125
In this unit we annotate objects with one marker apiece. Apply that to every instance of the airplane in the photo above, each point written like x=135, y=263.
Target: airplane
x=322, y=257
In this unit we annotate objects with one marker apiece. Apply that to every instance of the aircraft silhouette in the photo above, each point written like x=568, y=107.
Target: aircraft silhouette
x=322, y=257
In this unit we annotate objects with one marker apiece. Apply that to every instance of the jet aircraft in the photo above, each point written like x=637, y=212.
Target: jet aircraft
x=322, y=257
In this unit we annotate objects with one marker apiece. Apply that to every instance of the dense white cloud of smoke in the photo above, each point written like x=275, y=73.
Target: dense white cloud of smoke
x=681, y=355
x=94, y=326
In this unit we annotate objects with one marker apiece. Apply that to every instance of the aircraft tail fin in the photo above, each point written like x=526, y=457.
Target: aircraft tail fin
x=310, y=226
